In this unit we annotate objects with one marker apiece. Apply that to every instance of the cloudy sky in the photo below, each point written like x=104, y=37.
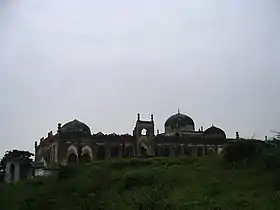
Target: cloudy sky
x=102, y=62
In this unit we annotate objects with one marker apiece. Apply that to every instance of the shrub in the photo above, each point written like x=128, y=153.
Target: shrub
x=133, y=162
x=65, y=172
x=271, y=159
x=139, y=178
x=242, y=150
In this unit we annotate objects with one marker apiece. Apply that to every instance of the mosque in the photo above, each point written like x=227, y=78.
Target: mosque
x=74, y=142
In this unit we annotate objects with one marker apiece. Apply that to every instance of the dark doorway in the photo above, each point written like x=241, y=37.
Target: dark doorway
x=199, y=151
x=165, y=151
x=72, y=159
x=158, y=150
x=209, y=150
x=12, y=172
x=128, y=151
x=114, y=152
x=178, y=150
x=85, y=158
x=143, y=152
x=101, y=152
x=188, y=150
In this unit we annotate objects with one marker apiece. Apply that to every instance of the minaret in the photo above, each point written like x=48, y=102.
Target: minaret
x=36, y=148
x=59, y=128
x=237, y=135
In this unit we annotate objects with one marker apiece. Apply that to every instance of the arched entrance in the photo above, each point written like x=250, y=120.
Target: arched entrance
x=12, y=172
x=85, y=158
x=72, y=159
x=143, y=152
x=209, y=150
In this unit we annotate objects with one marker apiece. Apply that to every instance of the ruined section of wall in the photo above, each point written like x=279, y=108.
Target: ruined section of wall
x=12, y=172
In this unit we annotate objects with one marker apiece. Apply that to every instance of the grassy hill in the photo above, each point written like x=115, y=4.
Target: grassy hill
x=159, y=183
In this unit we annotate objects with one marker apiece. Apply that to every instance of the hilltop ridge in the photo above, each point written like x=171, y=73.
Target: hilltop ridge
x=156, y=183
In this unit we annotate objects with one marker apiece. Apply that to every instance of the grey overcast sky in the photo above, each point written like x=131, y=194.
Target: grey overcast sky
x=102, y=62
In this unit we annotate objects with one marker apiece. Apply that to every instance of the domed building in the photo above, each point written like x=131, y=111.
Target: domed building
x=179, y=123
x=75, y=143
x=214, y=132
x=76, y=127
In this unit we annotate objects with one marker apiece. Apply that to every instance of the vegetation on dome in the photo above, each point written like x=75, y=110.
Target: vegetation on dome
x=235, y=180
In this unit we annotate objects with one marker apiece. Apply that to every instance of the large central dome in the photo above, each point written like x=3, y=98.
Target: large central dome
x=75, y=126
x=179, y=122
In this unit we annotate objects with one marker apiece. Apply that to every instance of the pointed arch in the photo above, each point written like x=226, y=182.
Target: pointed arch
x=72, y=149
x=72, y=159
x=87, y=150
x=86, y=155
x=72, y=154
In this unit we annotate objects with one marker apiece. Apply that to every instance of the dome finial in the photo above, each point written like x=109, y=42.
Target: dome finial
x=178, y=111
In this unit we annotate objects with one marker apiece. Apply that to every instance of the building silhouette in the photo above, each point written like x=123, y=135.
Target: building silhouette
x=74, y=142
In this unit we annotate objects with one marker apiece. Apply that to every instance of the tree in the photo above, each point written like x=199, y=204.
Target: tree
x=25, y=158
x=277, y=135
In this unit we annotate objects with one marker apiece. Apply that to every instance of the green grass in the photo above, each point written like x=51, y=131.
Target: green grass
x=159, y=183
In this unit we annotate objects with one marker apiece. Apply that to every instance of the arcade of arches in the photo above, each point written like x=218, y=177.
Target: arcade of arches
x=104, y=152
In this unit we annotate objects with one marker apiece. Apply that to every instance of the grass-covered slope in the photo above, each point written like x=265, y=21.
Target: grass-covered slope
x=165, y=183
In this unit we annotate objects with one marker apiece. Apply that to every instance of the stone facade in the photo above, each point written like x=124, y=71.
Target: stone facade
x=12, y=172
x=74, y=142
x=16, y=170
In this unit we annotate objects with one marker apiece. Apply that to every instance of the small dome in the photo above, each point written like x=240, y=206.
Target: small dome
x=179, y=119
x=75, y=126
x=214, y=131
x=100, y=134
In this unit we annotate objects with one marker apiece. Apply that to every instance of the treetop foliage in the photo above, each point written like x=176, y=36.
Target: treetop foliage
x=24, y=156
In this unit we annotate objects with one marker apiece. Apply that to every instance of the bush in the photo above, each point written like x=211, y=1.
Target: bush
x=158, y=183
x=136, y=179
x=243, y=150
x=65, y=172
x=133, y=162
x=271, y=159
